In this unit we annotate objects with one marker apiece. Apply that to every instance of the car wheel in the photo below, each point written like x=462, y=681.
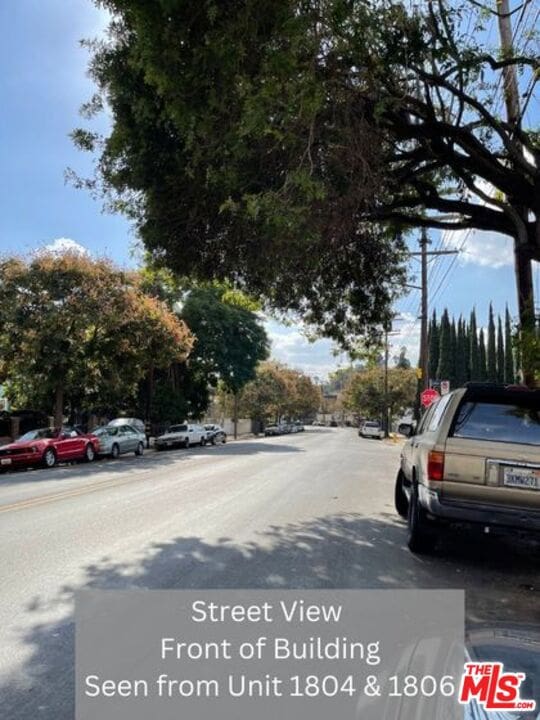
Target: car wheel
x=224, y=440
x=49, y=458
x=186, y=443
x=400, y=499
x=115, y=451
x=421, y=539
x=89, y=453
x=203, y=442
x=213, y=441
x=140, y=449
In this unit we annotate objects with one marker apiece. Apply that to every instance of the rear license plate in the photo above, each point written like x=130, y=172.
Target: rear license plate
x=526, y=478
x=5, y=461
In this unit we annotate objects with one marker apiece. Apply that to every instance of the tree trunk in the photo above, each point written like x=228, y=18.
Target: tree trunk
x=59, y=406
x=527, y=320
x=150, y=392
x=235, y=415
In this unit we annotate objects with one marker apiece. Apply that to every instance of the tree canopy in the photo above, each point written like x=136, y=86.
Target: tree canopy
x=77, y=331
x=230, y=340
x=282, y=144
x=365, y=394
x=280, y=392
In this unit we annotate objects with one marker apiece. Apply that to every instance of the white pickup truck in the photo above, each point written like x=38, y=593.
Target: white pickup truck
x=371, y=429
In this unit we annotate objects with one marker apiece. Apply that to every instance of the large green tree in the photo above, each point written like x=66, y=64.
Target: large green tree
x=366, y=397
x=280, y=392
x=230, y=338
x=281, y=143
x=491, y=347
x=77, y=331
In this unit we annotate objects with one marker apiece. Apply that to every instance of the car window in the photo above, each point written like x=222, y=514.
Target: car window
x=438, y=412
x=41, y=434
x=499, y=422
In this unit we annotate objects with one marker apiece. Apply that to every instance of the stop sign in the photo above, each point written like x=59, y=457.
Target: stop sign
x=429, y=396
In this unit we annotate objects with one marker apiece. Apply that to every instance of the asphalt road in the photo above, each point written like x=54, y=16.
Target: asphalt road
x=312, y=510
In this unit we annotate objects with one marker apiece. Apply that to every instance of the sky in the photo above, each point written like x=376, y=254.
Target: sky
x=43, y=84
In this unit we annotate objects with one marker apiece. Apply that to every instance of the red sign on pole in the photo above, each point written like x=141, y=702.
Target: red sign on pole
x=429, y=396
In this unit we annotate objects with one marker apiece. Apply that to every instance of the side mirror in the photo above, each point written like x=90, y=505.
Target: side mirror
x=406, y=429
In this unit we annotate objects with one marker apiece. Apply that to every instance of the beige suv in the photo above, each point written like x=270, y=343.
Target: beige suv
x=475, y=458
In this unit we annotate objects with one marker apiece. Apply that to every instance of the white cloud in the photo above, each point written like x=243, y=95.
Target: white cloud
x=62, y=245
x=291, y=346
x=488, y=249
x=480, y=247
x=406, y=333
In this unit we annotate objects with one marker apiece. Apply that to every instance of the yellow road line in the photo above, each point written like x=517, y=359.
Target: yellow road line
x=75, y=492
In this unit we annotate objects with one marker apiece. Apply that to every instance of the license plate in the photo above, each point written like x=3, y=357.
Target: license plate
x=5, y=461
x=526, y=478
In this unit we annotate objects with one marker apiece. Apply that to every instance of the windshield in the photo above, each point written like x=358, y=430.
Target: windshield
x=177, y=428
x=102, y=431
x=371, y=424
x=41, y=434
x=498, y=422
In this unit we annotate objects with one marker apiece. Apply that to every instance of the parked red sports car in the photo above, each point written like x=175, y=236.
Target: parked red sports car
x=47, y=447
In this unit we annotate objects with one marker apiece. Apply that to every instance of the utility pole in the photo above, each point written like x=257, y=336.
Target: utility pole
x=424, y=366
x=424, y=254
x=522, y=259
x=386, y=353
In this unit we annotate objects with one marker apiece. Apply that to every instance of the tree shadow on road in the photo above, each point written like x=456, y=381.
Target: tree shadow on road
x=335, y=551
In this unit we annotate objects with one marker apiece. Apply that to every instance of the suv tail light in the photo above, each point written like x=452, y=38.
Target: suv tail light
x=435, y=466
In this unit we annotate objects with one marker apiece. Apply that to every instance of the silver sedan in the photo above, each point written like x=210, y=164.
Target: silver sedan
x=119, y=439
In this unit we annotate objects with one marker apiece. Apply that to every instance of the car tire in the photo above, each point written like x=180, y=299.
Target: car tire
x=140, y=449
x=49, y=458
x=401, y=501
x=186, y=443
x=421, y=539
x=203, y=442
x=89, y=453
x=115, y=451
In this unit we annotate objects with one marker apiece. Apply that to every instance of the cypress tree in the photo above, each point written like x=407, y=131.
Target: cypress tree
x=491, y=348
x=444, y=369
x=434, y=341
x=453, y=353
x=509, y=374
x=474, y=361
x=500, y=352
x=482, y=357
x=461, y=354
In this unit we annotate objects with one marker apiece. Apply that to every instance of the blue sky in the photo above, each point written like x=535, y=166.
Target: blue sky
x=43, y=84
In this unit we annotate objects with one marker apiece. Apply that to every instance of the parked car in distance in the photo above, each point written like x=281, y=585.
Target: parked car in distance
x=48, y=446
x=114, y=440
x=371, y=429
x=270, y=430
x=133, y=422
x=299, y=426
x=215, y=434
x=475, y=459
x=182, y=435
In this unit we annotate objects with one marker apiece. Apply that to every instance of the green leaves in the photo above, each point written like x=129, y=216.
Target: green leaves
x=80, y=324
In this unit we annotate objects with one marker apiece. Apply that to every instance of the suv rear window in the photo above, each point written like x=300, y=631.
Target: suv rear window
x=498, y=422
